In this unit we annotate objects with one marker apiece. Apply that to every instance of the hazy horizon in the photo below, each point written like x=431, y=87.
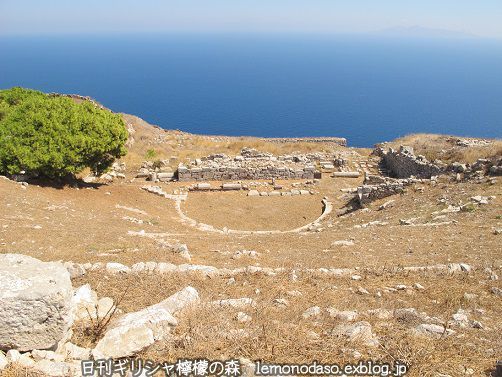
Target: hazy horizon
x=435, y=18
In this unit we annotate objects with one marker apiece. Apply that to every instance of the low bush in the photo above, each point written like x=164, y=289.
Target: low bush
x=56, y=137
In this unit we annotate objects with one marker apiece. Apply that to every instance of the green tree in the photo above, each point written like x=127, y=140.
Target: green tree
x=55, y=136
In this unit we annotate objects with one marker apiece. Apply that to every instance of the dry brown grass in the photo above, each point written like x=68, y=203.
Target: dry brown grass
x=14, y=370
x=183, y=146
x=280, y=334
x=444, y=147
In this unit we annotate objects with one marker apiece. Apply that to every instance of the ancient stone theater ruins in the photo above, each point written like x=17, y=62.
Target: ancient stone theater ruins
x=285, y=250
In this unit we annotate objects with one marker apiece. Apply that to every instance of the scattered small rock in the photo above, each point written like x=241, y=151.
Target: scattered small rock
x=311, y=312
x=435, y=331
x=387, y=204
x=496, y=291
x=362, y=291
x=342, y=243
x=280, y=302
x=358, y=332
x=116, y=268
x=243, y=317
x=235, y=302
x=343, y=315
x=418, y=286
x=460, y=318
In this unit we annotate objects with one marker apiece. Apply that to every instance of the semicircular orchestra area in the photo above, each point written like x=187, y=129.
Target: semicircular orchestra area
x=235, y=211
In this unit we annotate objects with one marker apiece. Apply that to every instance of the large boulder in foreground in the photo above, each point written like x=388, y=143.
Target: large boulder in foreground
x=135, y=331
x=35, y=303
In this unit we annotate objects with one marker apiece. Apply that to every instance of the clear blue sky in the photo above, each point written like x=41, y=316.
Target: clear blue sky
x=480, y=17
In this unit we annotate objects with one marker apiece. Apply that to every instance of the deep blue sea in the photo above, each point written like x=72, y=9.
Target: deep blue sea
x=367, y=89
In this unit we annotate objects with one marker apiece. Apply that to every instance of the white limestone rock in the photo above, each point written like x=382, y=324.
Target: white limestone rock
x=84, y=301
x=135, y=331
x=236, y=303
x=362, y=291
x=14, y=356
x=3, y=361
x=105, y=308
x=182, y=249
x=243, y=317
x=55, y=368
x=342, y=315
x=245, y=253
x=74, y=269
x=342, y=243
x=418, y=286
x=460, y=318
x=35, y=303
x=496, y=291
x=314, y=311
x=280, y=302
x=294, y=293
x=431, y=330
x=87, y=307
x=380, y=313
x=358, y=332
x=116, y=268
x=74, y=352
x=164, y=268
x=38, y=355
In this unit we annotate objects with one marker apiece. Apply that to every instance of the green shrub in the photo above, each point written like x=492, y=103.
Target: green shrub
x=469, y=207
x=56, y=137
x=150, y=154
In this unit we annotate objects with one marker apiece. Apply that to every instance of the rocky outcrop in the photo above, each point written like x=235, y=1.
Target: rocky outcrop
x=134, y=332
x=35, y=303
x=482, y=166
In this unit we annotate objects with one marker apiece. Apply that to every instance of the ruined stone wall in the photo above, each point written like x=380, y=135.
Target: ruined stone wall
x=243, y=173
x=404, y=164
x=370, y=192
x=334, y=140
x=485, y=166
x=251, y=164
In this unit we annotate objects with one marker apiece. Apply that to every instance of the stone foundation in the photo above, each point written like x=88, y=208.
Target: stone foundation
x=334, y=140
x=368, y=193
x=243, y=173
x=249, y=165
x=372, y=190
x=404, y=164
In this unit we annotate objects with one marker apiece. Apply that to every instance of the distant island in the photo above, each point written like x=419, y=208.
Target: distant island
x=424, y=32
